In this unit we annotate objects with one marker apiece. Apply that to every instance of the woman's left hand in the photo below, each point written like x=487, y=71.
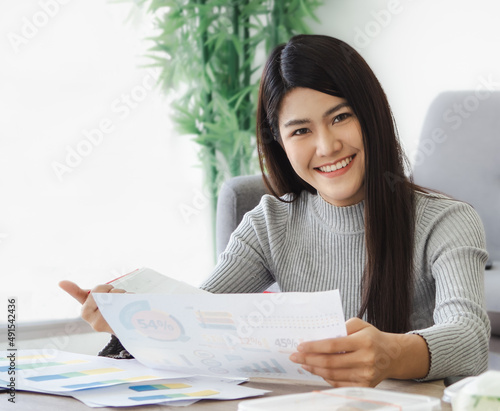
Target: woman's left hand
x=363, y=358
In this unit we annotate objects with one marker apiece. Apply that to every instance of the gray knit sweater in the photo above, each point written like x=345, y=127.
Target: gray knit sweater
x=311, y=245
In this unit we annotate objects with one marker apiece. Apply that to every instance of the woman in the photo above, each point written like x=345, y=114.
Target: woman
x=408, y=264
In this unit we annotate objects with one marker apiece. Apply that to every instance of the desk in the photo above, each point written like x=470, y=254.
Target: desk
x=27, y=401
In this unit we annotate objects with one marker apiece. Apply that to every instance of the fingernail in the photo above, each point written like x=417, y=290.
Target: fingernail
x=300, y=348
x=294, y=357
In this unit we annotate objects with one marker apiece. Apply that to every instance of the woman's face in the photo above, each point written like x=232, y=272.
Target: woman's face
x=322, y=139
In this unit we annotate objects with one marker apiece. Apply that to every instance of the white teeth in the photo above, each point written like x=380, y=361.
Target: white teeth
x=337, y=166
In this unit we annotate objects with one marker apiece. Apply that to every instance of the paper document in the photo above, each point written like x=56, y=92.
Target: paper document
x=170, y=391
x=62, y=372
x=107, y=382
x=223, y=334
x=146, y=280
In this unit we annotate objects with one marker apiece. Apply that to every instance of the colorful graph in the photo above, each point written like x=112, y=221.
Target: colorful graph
x=204, y=393
x=153, y=387
x=215, y=319
x=33, y=366
x=111, y=382
x=265, y=367
x=74, y=374
x=295, y=322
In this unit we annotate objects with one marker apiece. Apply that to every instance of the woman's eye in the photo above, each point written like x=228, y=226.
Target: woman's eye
x=300, y=131
x=341, y=117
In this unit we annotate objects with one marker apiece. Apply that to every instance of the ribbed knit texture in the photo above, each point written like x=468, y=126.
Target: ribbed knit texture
x=311, y=245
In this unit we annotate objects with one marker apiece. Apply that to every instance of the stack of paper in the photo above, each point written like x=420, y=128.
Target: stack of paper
x=187, y=346
x=98, y=381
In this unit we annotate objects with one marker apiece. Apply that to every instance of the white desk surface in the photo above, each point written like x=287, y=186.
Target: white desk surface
x=27, y=401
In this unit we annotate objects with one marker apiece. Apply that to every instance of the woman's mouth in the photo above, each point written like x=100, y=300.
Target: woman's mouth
x=337, y=166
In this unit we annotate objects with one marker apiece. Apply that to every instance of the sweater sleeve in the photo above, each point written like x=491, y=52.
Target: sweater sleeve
x=246, y=266
x=456, y=257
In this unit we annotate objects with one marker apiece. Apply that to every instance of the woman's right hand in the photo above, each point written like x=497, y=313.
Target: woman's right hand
x=90, y=311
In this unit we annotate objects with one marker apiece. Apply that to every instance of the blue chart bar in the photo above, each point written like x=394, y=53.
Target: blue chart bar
x=258, y=368
x=46, y=377
x=88, y=385
x=277, y=367
x=265, y=367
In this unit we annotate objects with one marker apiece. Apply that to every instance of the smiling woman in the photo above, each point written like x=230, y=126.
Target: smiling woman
x=343, y=215
x=327, y=150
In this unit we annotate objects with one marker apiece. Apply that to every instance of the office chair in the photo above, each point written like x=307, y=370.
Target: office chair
x=237, y=196
x=459, y=155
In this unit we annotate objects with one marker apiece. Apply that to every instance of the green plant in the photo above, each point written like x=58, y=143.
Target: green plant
x=210, y=52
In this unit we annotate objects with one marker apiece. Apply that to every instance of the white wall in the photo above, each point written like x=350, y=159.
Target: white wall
x=419, y=48
x=67, y=70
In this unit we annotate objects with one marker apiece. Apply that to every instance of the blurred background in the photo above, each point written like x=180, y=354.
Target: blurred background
x=95, y=181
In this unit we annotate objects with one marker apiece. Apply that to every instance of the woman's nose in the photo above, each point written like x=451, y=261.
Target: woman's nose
x=327, y=144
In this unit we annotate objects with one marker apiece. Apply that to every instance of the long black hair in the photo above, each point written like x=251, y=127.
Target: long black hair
x=330, y=66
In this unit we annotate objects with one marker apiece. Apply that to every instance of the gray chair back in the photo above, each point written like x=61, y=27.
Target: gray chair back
x=459, y=154
x=237, y=196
